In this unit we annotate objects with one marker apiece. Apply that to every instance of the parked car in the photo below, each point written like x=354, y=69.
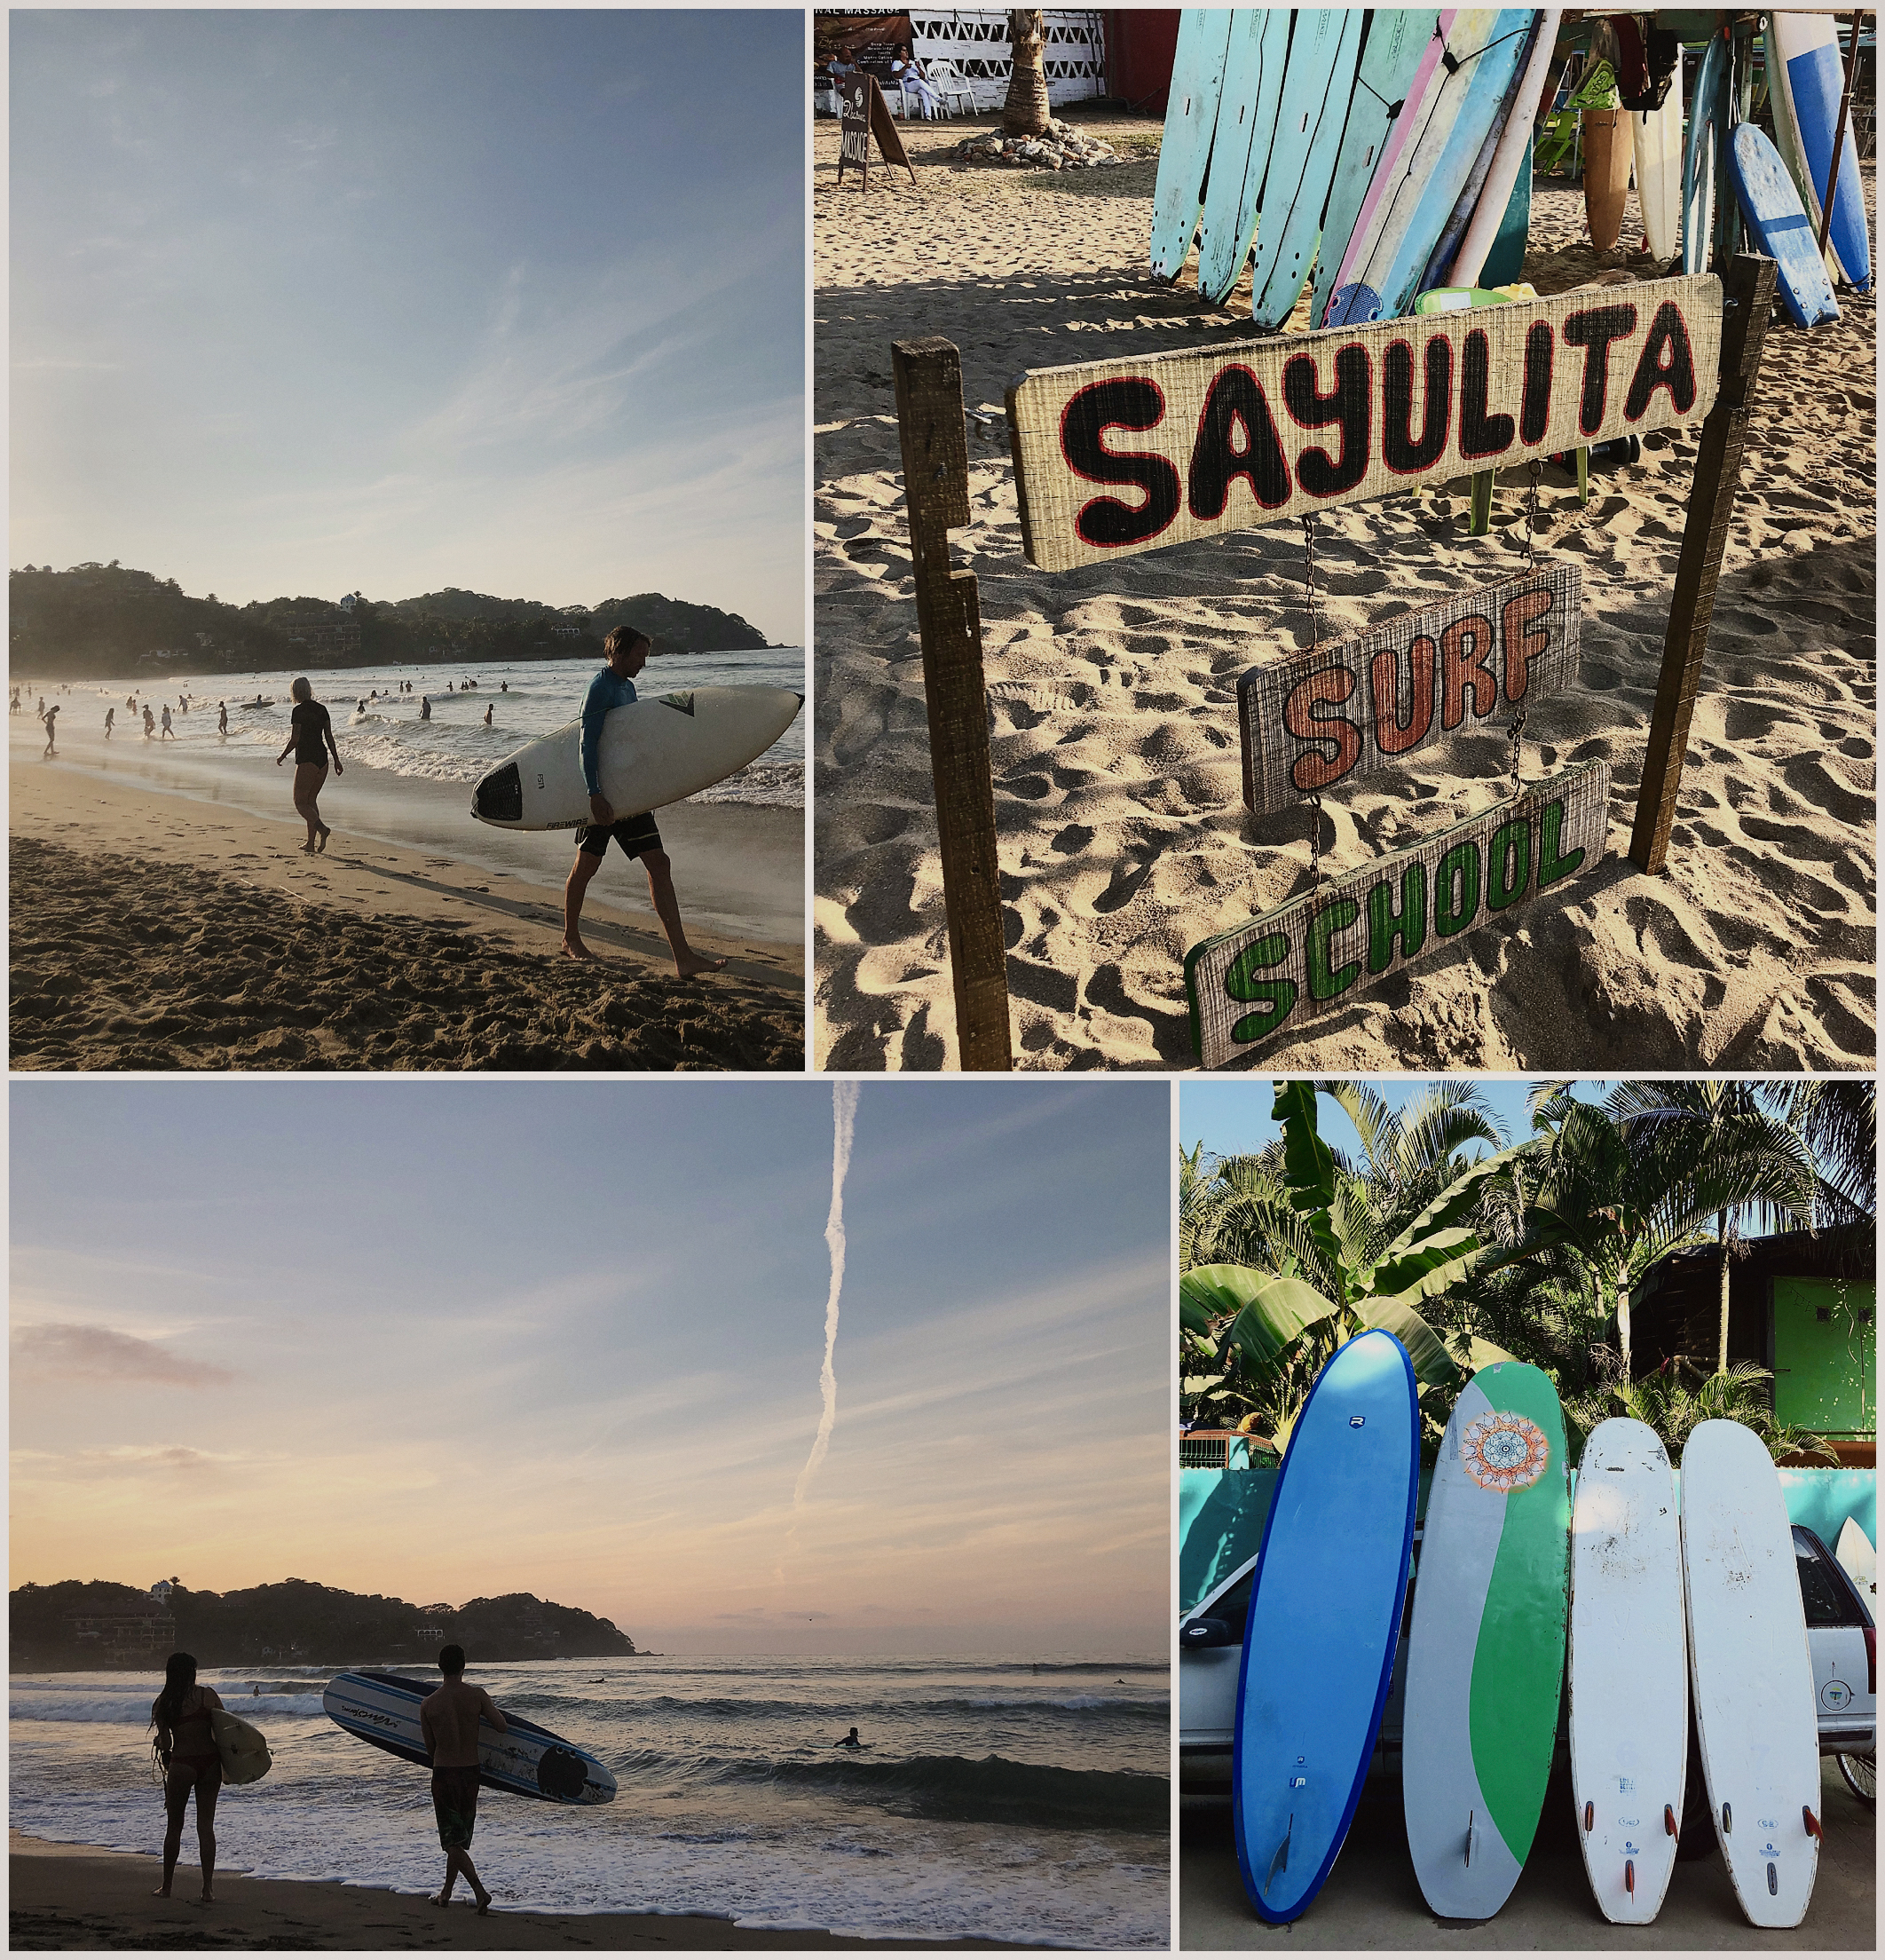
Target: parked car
x=1841, y=1637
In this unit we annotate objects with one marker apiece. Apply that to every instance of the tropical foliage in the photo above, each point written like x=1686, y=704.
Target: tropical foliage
x=1469, y=1249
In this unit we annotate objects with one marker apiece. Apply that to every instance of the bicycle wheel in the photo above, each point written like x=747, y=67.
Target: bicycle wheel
x=1862, y=1777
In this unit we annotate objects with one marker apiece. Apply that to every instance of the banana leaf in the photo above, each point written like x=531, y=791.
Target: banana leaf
x=1273, y=1311
x=1425, y=1349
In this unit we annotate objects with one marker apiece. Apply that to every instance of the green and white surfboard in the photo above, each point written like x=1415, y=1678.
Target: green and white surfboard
x=1486, y=1659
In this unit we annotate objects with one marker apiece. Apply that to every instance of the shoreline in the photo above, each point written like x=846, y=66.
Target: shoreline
x=64, y=1897
x=150, y=929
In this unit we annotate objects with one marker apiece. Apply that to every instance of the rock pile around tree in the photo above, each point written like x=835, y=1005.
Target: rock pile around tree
x=1061, y=147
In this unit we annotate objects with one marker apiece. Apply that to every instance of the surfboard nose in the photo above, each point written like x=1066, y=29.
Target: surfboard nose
x=499, y=799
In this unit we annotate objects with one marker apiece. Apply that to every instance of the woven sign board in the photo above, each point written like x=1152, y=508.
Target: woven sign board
x=1309, y=956
x=1118, y=457
x=1349, y=707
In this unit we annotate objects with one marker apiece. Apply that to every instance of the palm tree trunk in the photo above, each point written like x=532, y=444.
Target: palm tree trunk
x=1721, y=1366
x=1623, y=1324
x=1025, y=112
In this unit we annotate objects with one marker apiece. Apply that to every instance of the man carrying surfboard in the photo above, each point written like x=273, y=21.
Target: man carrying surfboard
x=448, y=1721
x=626, y=652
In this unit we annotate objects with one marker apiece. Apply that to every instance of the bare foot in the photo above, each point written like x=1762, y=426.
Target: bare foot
x=444, y=1898
x=307, y=850
x=163, y=1891
x=484, y=1904
x=574, y=949
x=208, y=1899
x=687, y=965
x=325, y=834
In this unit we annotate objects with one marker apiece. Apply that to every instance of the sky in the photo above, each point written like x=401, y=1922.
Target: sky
x=447, y=1339
x=312, y=303
x=1231, y=1115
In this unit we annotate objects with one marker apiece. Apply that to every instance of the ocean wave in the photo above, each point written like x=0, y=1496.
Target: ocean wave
x=993, y=1790
x=134, y=1708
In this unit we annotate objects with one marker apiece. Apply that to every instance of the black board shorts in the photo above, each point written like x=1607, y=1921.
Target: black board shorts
x=635, y=835
x=455, y=1806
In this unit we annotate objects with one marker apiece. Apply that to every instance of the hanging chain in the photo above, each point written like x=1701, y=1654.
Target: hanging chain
x=1315, y=634
x=1531, y=517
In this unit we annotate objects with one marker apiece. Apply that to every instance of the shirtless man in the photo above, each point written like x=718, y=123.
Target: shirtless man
x=448, y=1719
x=626, y=652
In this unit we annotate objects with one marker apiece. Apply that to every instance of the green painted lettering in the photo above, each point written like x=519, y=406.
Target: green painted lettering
x=1408, y=925
x=1244, y=981
x=1551, y=867
x=1338, y=917
x=1459, y=867
x=1508, y=866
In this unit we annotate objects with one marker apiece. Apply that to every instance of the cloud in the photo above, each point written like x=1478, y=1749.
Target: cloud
x=71, y=1350
x=164, y=1457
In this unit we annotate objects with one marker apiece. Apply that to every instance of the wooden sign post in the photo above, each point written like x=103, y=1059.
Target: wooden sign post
x=948, y=618
x=862, y=114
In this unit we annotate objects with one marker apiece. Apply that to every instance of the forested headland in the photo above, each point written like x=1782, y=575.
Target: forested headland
x=109, y=621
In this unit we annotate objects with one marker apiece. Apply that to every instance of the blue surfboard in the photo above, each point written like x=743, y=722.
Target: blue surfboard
x=1708, y=114
x=1780, y=225
x=1325, y=1614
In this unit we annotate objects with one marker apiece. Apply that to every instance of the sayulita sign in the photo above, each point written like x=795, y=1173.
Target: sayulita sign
x=1352, y=706
x=1118, y=457
x=1308, y=958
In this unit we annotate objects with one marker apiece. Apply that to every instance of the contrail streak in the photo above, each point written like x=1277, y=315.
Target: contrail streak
x=844, y=1114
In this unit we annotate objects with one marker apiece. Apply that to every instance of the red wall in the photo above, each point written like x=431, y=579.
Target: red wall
x=1140, y=44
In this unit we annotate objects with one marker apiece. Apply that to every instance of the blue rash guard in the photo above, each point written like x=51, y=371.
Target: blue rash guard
x=605, y=692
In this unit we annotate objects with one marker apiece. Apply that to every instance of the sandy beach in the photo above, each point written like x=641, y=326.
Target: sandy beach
x=174, y=922
x=68, y=1896
x=1123, y=836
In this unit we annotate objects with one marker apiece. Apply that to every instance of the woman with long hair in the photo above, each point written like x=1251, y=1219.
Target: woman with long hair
x=311, y=736
x=187, y=1748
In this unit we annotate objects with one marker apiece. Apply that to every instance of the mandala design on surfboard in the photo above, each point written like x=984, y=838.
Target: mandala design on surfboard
x=1502, y=1451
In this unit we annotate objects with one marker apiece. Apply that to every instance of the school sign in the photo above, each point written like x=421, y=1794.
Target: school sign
x=1308, y=958
x=1114, y=457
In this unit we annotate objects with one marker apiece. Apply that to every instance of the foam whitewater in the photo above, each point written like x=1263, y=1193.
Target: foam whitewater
x=1001, y=1799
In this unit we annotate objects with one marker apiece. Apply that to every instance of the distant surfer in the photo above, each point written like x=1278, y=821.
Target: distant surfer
x=109, y=713
x=221, y=719
x=186, y=1749
x=52, y=725
x=626, y=649
x=851, y=1742
x=311, y=736
x=448, y=1719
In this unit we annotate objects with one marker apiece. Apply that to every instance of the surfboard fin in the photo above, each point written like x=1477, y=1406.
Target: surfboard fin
x=1668, y=1821
x=1727, y=1818
x=1630, y=1876
x=1812, y=1822
x=1590, y=1814
x=1473, y=1837
x=1281, y=1862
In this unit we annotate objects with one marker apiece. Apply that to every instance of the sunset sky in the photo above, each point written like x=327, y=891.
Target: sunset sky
x=441, y=1340
x=311, y=302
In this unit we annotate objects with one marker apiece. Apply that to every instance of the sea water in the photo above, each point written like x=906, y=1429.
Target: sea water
x=378, y=726
x=997, y=1798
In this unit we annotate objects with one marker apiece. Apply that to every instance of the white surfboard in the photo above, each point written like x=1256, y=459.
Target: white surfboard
x=1855, y=1553
x=1655, y=136
x=1751, y=1672
x=1629, y=1670
x=1514, y=152
x=654, y=751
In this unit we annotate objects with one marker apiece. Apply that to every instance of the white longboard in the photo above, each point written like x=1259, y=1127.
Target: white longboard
x=1855, y=1552
x=654, y=751
x=1751, y=1672
x=1655, y=137
x=1629, y=1670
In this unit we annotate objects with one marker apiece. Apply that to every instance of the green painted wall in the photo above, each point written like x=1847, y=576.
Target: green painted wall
x=1826, y=1348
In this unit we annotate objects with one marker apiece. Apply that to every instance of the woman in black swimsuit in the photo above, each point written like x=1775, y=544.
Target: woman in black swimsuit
x=311, y=736
x=187, y=1748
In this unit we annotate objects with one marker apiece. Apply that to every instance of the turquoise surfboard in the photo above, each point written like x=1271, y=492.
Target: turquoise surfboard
x=1485, y=1658
x=1240, y=157
x=1191, y=120
x=1780, y=225
x=1708, y=112
x=1317, y=88
x=1505, y=262
x=1324, y=1617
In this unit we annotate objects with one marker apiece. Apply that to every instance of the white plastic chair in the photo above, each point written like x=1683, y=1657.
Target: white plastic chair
x=951, y=86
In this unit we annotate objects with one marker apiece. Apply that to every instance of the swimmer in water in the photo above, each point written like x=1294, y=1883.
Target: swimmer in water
x=487, y=715
x=851, y=1742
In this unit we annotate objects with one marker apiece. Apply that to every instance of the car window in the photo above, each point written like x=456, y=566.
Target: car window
x=1822, y=1591
x=1234, y=1608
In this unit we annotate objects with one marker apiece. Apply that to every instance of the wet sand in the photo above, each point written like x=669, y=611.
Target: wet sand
x=154, y=930
x=1123, y=838
x=71, y=1896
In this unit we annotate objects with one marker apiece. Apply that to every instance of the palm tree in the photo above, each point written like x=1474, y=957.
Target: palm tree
x=1625, y=1184
x=1025, y=112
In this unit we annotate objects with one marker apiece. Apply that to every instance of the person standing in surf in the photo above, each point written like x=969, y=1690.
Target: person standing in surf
x=311, y=736
x=448, y=1719
x=626, y=652
x=186, y=1749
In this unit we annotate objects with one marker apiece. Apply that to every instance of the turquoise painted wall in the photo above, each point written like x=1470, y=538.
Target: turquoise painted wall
x=1221, y=1515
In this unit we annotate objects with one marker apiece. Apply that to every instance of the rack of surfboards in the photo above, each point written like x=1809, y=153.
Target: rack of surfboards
x=1368, y=156
x=1663, y=1594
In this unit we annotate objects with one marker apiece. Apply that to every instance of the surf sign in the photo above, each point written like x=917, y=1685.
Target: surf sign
x=1356, y=705
x=1113, y=457
x=1311, y=956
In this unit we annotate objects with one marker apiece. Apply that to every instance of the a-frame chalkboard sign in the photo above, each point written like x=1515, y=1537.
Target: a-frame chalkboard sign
x=862, y=114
